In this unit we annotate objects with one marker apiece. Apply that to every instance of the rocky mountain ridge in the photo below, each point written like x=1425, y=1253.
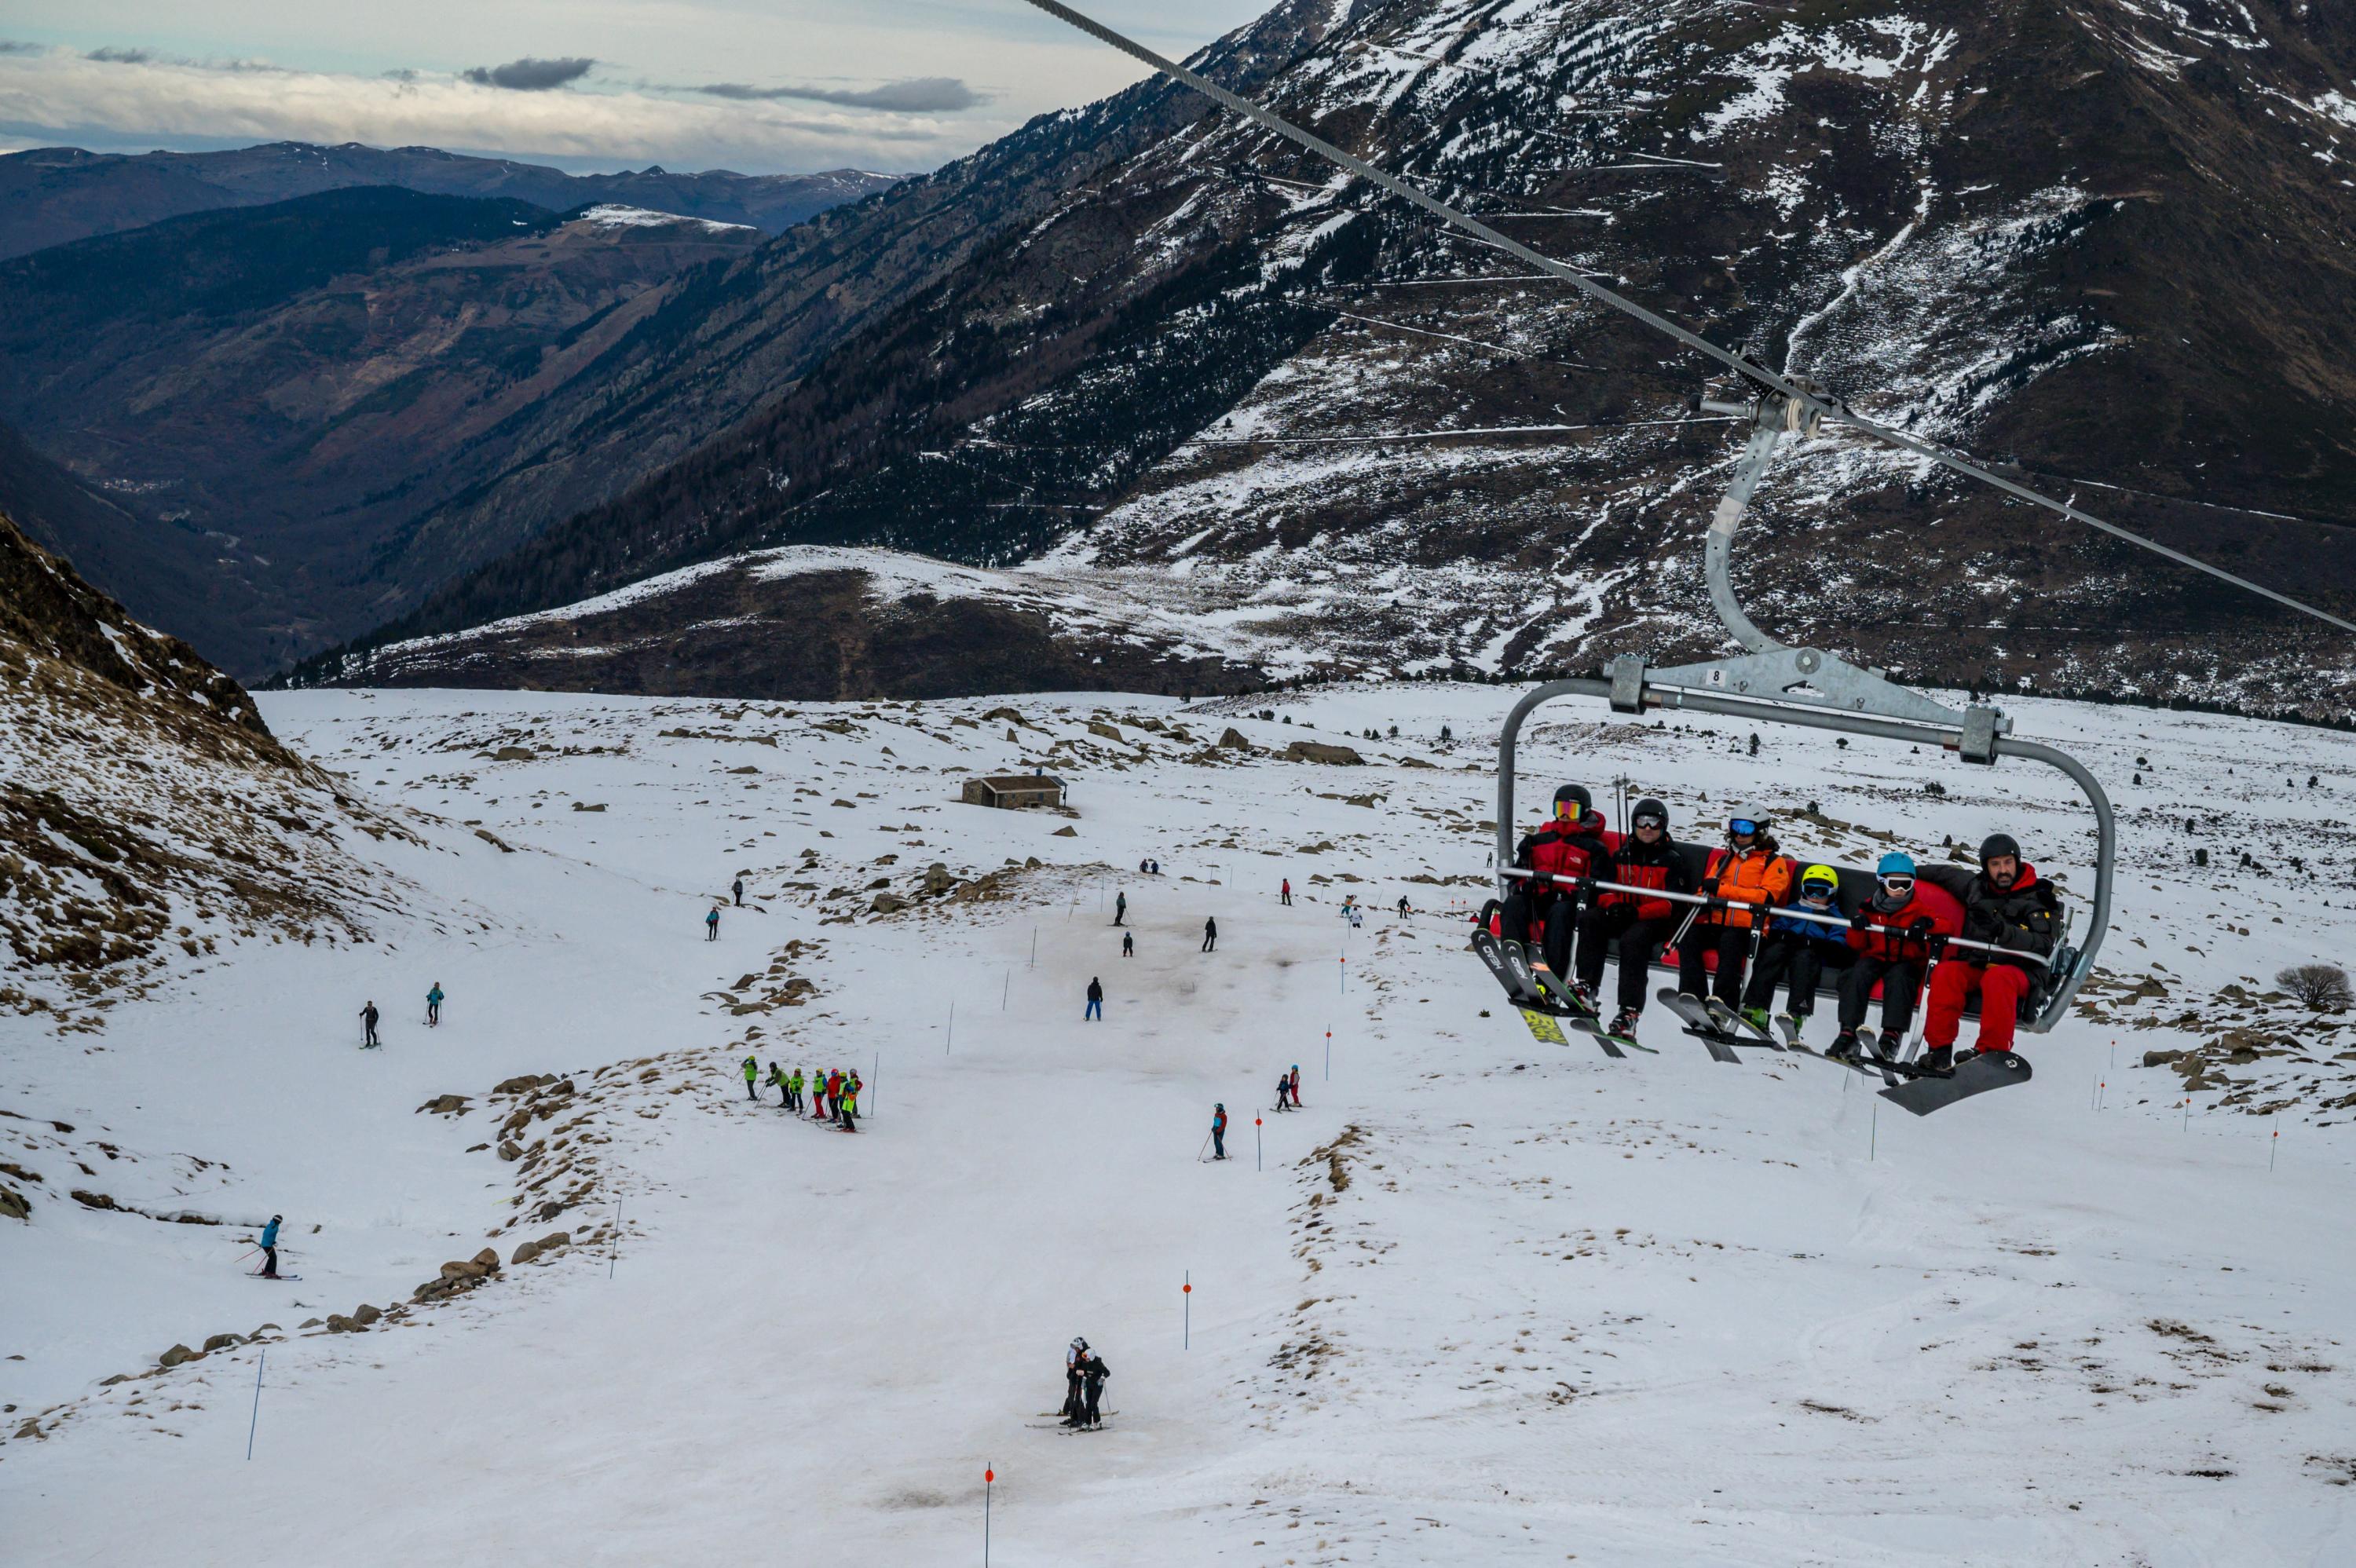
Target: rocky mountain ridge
x=2092, y=244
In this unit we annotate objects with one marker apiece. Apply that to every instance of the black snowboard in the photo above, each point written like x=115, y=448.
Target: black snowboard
x=1975, y=1074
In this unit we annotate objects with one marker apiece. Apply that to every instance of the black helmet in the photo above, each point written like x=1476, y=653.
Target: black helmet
x=1652, y=808
x=1578, y=793
x=1997, y=844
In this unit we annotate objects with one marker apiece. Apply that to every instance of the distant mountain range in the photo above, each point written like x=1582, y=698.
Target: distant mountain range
x=52, y=196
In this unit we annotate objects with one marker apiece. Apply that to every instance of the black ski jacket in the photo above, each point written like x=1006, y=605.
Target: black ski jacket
x=1096, y=991
x=2026, y=916
x=1661, y=866
x=1093, y=1371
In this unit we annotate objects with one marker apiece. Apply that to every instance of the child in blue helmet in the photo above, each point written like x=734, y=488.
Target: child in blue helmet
x=1893, y=934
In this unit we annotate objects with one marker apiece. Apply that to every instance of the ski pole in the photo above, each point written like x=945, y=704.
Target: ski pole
x=1198, y=1153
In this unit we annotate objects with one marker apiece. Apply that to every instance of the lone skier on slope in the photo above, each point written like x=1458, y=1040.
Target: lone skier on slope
x=737, y=888
x=1284, y=893
x=2008, y=907
x=368, y=1027
x=270, y=1248
x=1219, y=1132
x=1119, y=907
x=1127, y=945
x=712, y=924
x=433, y=1007
x=1210, y=935
x=1096, y=1002
x=752, y=1071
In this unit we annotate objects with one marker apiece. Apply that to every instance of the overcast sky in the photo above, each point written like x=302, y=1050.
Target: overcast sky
x=776, y=86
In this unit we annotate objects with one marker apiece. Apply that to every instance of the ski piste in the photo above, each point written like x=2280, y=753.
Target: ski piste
x=1698, y=1022
x=1742, y=1031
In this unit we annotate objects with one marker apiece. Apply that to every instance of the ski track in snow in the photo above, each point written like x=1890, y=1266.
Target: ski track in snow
x=1654, y=1311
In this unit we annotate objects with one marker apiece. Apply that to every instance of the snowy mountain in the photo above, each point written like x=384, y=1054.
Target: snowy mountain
x=2102, y=244
x=1485, y=1301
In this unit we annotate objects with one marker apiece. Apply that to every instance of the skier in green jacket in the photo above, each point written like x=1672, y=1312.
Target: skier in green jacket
x=751, y=1074
x=794, y=1090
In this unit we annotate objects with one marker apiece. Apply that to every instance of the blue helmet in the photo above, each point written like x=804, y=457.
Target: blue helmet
x=1895, y=864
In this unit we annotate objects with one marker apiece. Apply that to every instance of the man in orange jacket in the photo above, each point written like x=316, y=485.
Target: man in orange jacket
x=1752, y=874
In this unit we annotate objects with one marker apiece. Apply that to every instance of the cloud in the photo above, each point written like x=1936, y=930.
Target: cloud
x=11, y=47
x=531, y=75
x=110, y=55
x=61, y=98
x=916, y=95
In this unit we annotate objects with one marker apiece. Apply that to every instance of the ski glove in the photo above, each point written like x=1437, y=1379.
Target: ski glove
x=1857, y=920
x=1709, y=887
x=1921, y=925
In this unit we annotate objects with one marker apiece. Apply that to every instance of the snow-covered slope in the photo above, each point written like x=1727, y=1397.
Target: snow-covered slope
x=1486, y=1300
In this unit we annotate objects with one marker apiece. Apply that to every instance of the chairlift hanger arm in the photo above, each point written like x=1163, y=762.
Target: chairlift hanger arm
x=1816, y=404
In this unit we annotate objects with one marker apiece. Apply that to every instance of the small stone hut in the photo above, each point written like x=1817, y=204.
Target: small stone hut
x=1014, y=790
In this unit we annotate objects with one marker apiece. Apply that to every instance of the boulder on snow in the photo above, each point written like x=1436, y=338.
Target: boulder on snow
x=444, y=1105
x=494, y=840
x=937, y=879
x=365, y=1314
x=888, y=903
x=1232, y=739
x=512, y=754
x=525, y=1252
x=511, y=1151
x=489, y=1258
x=2161, y=1057
x=339, y=1324
x=459, y=1269
x=1318, y=752
x=308, y=1323
x=519, y=1085
x=1066, y=832
x=1099, y=727
x=555, y=1238
x=175, y=1355
x=221, y=1342
x=15, y=1205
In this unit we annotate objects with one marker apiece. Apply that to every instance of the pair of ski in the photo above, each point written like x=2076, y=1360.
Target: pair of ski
x=1542, y=997
x=1716, y=1025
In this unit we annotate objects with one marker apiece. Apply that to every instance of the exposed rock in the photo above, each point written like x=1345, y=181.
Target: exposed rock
x=459, y=1269
x=493, y=840
x=579, y=805
x=888, y=903
x=555, y=1238
x=117, y=1378
x=1233, y=740
x=365, y=1314
x=444, y=1105
x=2162, y=1058
x=15, y=1205
x=1065, y=832
x=525, y=1252
x=96, y=1201
x=175, y=1355
x=513, y=755
x=221, y=1342
x=1318, y=752
x=937, y=879
x=521, y=1085
x=1099, y=727
x=339, y=1324
x=511, y=1151
x=489, y=1258
x=308, y=1323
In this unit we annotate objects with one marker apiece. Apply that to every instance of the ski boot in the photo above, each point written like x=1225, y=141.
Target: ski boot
x=1624, y=1026
x=1939, y=1061
x=1843, y=1045
x=1757, y=1019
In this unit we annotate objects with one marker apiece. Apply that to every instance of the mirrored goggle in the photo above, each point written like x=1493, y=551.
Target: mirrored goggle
x=1742, y=826
x=1652, y=822
x=1818, y=891
x=1567, y=808
x=1899, y=884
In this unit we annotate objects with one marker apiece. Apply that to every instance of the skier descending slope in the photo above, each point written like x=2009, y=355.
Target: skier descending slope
x=433, y=1007
x=270, y=1248
x=1629, y=925
x=1210, y=935
x=369, y=1016
x=1219, y=1131
x=2011, y=908
x=712, y=924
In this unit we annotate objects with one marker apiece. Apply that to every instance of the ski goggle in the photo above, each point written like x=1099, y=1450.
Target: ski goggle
x=1899, y=884
x=1655, y=823
x=1818, y=892
x=1567, y=808
x=1742, y=827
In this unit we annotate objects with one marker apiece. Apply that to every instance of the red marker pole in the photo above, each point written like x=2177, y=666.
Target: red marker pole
x=2273, y=1146
x=1255, y=1163
x=1345, y=974
x=1186, y=1294
x=1329, y=1056
x=988, y=1476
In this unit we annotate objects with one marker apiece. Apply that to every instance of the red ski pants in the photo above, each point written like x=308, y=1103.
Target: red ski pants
x=2000, y=986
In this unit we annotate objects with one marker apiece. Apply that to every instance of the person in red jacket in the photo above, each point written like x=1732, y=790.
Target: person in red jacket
x=1572, y=845
x=1894, y=932
x=1629, y=925
x=2008, y=907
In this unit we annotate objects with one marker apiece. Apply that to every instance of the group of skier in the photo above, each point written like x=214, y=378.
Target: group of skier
x=831, y=1096
x=1753, y=920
